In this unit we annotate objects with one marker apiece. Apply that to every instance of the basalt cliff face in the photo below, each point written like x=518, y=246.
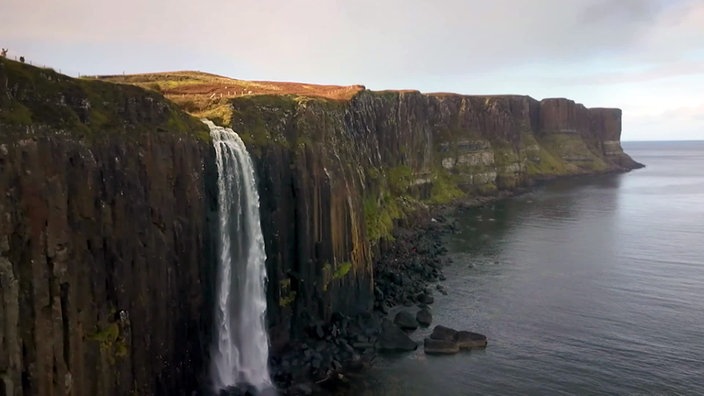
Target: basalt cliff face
x=104, y=255
x=107, y=190
x=335, y=174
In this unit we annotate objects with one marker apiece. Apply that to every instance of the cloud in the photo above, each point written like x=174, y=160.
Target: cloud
x=695, y=112
x=617, y=11
x=633, y=54
x=648, y=74
x=360, y=40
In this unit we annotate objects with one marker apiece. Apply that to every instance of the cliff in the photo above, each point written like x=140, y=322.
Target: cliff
x=335, y=174
x=104, y=256
x=107, y=191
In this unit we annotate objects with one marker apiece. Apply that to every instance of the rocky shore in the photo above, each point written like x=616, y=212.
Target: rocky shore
x=331, y=353
x=407, y=277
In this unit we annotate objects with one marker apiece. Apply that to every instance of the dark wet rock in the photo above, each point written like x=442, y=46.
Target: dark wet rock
x=355, y=363
x=246, y=390
x=362, y=345
x=425, y=298
x=443, y=333
x=300, y=390
x=424, y=317
x=392, y=338
x=463, y=339
x=319, y=332
x=468, y=340
x=378, y=294
x=333, y=383
x=433, y=346
x=405, y=320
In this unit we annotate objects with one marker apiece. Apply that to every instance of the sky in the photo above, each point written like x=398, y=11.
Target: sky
x=643, y=56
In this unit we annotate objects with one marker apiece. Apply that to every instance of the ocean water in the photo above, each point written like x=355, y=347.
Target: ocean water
x=583, y=286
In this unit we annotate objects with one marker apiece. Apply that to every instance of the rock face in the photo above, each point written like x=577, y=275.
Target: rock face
x=335, y=174
x=440, y=347
x=469, y=340
x=106, y=192
x=104, y=267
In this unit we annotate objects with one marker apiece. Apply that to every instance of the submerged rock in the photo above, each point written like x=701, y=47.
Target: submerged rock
x=468, y=340
x=440, y=347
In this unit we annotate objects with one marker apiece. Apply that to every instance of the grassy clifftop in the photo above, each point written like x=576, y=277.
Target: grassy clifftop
x=33, y=96
x=207, y=95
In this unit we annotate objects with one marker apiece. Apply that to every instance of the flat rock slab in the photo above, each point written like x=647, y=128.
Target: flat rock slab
x=443, y=333
x=440, y=347
x=468, y=340
x=464, y=339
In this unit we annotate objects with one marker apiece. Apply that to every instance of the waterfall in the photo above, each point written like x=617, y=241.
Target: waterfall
x=241, y=347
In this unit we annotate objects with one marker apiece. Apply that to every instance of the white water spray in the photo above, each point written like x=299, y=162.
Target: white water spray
x=241, y=347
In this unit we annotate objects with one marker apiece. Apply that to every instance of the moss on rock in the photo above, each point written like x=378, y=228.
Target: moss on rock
x=85, y=107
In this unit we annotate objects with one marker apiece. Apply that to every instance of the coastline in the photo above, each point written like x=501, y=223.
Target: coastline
x=405, y=268
x=350, y=343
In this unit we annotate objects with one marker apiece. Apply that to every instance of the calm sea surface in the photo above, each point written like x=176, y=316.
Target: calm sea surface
x=584, y=286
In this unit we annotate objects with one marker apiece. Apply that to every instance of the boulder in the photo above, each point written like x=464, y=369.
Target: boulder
x=405, y=320
x=468, y=340
x=301, y=390
x=424, y=317
x=440, y=347
x=443, y=333
x=392, y=338
x=425, y=298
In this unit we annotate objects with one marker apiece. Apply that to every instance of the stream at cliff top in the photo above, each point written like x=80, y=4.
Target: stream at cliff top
x=240, y=350
x=584, y=286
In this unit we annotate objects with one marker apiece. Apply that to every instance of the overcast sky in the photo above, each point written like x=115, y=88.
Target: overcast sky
x=644, y=56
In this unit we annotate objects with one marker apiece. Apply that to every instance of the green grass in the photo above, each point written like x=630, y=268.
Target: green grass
x=444, y=189
x=286, y=295
x=342, y=270
x=564, y=148
x=110, y=341
x=379, y=215
x=287, y=300
x=399, y=179
x=88, y=108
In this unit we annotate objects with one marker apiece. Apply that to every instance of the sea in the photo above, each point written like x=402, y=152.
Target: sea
x=584, y=286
